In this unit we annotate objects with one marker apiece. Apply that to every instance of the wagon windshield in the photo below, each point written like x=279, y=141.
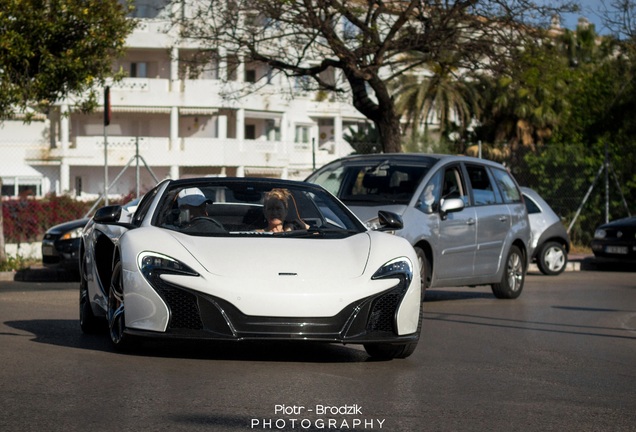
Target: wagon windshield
x=263, y=209
x=372, y=182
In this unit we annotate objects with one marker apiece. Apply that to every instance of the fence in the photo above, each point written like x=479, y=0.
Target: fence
x=582, y=189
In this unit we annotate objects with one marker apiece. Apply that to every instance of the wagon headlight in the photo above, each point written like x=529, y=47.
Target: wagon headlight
x=400, y=268
x=600, y=234
x=153, y=263
x=373, y=224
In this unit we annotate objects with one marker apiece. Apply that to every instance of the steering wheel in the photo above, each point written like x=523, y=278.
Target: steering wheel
x=205, y=224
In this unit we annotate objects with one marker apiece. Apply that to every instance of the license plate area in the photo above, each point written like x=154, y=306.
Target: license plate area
x=621, y=250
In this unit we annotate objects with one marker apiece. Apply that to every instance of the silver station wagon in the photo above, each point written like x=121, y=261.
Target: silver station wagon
x=464, y=216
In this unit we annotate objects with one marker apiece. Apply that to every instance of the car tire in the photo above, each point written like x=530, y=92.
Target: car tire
x=552, y=259
x=89, y=323
x=513, y=276
x=388, y=351
x=424, y=268
x=116, y=311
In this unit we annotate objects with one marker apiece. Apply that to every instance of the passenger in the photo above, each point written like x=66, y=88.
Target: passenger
x=276, y=209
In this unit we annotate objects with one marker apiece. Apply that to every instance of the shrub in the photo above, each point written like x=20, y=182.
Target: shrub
x=26, y=219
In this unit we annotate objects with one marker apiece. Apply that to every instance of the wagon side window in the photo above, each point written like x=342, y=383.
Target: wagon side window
x=507, y=186
x=453, y=186
x=483, y=190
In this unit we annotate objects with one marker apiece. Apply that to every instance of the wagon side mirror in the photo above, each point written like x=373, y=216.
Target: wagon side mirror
x=451, y=205
x=389, y=221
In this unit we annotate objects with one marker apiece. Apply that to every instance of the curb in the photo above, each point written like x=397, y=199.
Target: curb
x=7, y=276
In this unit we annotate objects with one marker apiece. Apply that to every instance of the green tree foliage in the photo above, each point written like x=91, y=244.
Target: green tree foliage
x=364, y=140
x=52, y=49
x=522, y=107
x=443, y=93
x=601, y=100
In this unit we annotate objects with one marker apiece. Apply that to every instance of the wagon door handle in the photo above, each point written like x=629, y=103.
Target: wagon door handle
x=503, y=218
x=470, y=221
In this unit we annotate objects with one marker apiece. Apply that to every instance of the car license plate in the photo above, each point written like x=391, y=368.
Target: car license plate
x=47, y=250
x=616, y=249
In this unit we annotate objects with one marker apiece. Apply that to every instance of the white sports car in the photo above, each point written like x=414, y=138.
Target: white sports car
x=249, y=259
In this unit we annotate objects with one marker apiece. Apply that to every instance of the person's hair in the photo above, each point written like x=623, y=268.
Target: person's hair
x=279, y=194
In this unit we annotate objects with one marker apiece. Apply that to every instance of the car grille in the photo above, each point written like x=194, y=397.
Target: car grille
x=191, y=311
x=184, y=311
x=383, y=310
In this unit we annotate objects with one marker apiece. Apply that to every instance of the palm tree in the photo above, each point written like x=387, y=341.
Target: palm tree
x=441, y=95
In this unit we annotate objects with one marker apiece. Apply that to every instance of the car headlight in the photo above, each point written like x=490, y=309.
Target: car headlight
x=153, y=264
x=396, y=268
x=73, y=234
x=600, y=234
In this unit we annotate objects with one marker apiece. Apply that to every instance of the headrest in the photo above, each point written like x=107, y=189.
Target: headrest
x=192, y=197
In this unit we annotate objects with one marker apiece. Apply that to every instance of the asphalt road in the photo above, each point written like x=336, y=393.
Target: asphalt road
x=562, y=357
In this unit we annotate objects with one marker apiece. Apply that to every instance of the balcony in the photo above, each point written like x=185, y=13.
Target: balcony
x=191, y=152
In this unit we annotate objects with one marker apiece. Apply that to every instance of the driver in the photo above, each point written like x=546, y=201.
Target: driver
x=194, y=212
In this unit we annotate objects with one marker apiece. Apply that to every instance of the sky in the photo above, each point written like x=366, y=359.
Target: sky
x=589, y=10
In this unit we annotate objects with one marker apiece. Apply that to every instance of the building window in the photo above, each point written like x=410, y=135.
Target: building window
x=302, y=134
x=272, y=131
x=250, y=132
x=250, y=76
x=78, y=186
x=139, y=70
x=20, y=189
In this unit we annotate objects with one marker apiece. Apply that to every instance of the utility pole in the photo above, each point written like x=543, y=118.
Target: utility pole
x=106, y=123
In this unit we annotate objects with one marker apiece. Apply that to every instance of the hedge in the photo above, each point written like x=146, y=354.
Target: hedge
x=27, y=219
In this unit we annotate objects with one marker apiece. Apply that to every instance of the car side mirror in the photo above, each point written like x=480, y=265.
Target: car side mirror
x=389, y=221
x=108, y=214
x=451, y=205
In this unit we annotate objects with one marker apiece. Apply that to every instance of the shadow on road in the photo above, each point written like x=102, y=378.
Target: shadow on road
x=465, y=293
x=595, y=264
x=44, y=274
x=66, y=333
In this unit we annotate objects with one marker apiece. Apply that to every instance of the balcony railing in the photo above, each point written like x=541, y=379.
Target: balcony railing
x=192, y=152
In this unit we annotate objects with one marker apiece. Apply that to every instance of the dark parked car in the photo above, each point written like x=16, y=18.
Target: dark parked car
x=616, y=240
x=550, y=241
x=61, y=244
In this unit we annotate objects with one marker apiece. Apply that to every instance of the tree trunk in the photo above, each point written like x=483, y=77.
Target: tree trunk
x=382, y=113
x=388, y=126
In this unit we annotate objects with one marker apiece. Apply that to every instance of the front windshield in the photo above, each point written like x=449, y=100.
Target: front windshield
x=254, y=209
x=372, y=183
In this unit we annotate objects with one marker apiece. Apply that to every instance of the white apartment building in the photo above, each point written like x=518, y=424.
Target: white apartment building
x=230, y=118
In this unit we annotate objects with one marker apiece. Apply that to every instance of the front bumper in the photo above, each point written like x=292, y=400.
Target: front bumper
x=194, y=315
x=62, y=254
x=614, y=250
